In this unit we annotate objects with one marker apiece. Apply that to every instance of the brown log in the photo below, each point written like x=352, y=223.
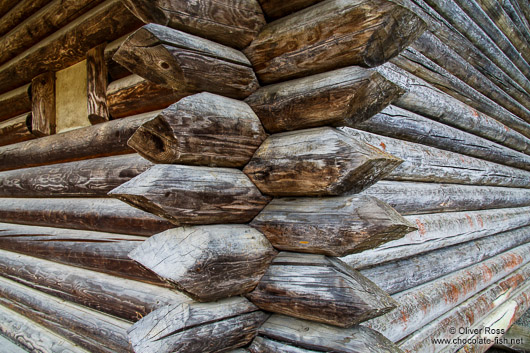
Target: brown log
x=43, y=120
x=22, y=10
x=283, y=334
x=197, y=327
x=334, y=226
x=16, y=129
x=341, y=97
x=208, y=262
x=15, y=102
x=6, y=5
x=97, y=82
x=319, y=288
x=203, y=129
x=194, y=195
x=230, y=22
x=330, y=35
x=275, y=9
x=319, y=161
x=186, y=63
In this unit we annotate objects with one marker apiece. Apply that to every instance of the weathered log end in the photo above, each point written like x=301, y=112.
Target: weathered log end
x=334, y=226
x=193, y=195
x=317, y=162
x=186, y=63
x=208, y=262
x=319, y=288
x=197, y=327
x=343, y=97
x=283, y=334
x=203, y=129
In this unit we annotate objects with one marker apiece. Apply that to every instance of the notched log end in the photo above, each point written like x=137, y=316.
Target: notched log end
x=152, y=142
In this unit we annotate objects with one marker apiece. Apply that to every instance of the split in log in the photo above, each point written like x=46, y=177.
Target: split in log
x=341, y=97
x=18, y=13
x=203, y=129
x=87, y=178
x=283, y=334
x=101, y=252
x=404, y=125
x=186, y=63
x=330, y=35
x=15, y=102
x=88, y=328
x=420, y=198
x=197, y=327
x=43, y=104
x=230, y=22
x=123, y=298
x=97, y=82
x=440, y=230
x=208, y=262
x=319, y=288
x=104, y=215
x=32, y=336
x=516, y=339
x=335, y=226
x=16, y=129
x=194, y=195
x=275, y=9
x=429, y=164
x=317, y=162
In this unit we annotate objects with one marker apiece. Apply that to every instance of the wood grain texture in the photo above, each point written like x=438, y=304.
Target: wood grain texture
x=208, y=262
x=341, y=97
x=275, y=9
x=319, y=288
x=335, y=226
x=16, y=129
x=197, y=327
x=43, y=121
x=7, y=5
x=289, y=335
x=317, y=162
x=330, y=35
x=516, y=340
x=186, y=63
x=123, y=298
x=22, y=10
x=15, y=102
x=202, y=129
x=230, y=22
x=97, y=82
x=193, y=195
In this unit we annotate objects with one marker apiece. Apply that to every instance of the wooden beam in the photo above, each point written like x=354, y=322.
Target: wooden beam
x=7, y=5
x=197, y=327
x=186, y=63
x=97, y=82
x=203, y=129
x=275, y=9
x=19, y=13
x=317, y=162
x=230, y=22
x=289, y=335
x=335, y=226
x=341, y=97
x=208, y=262
x=15, y=102
x=330, y=35
x=193, y=195
x=16, y=129
x=43, y=120
x=319, y=288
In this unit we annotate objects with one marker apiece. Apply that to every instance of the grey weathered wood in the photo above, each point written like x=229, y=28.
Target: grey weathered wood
x=15, y=102
x=194, y=195
x=275, y=9
x=197, y=327
x=208, y=262
x=231, y=22
x=97, y=82
x=203, y=129
x=340, y=97
x=419, y=198
x=516, y=339
x=430, y=164
x=334, y=226
x=330, y=35
x=289, y=335
x=319, y=161
x=186, y=63
x=319, y=288
x=16, y=129
x=43, y=119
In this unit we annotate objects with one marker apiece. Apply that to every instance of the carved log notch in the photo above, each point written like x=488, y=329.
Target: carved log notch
x=208, y=262
x=187, y=63
x=316, y=162
x=43, y=104
x=197, y=327
x=230, y=22
x=194, y=195
x=330, y=35
x=203, y=129
x=319, y=288
x=334, y=226
x=341, y=97
x=97, y=82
